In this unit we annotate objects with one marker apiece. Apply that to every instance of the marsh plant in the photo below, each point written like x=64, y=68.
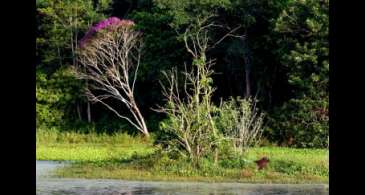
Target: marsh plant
x=241, y=122
x=191, y=115
x=190, y=120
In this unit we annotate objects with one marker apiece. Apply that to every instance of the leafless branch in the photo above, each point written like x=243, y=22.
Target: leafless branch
x=107, y=61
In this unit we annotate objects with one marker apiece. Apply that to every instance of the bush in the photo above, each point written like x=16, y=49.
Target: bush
x=301, y=123
x=46, y=113
x=237, y=161
x=189, y=119
x=55, y=96
x=239, y=121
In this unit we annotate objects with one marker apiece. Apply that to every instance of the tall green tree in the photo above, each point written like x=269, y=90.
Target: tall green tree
x=303, y=30
x=56, y=96
x=161, y=51
x=59, y=26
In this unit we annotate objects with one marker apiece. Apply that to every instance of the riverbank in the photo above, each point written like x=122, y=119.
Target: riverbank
x=49, y=185
x=120, y=156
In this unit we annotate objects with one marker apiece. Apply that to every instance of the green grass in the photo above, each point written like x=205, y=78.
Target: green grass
x=91, y=147
x=120, y=156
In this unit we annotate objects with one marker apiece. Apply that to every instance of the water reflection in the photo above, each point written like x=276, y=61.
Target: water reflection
x=82, y=186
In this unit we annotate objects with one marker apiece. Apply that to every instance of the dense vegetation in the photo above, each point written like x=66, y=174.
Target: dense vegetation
x=184, y=90
x=121, y=156
x=282, y=61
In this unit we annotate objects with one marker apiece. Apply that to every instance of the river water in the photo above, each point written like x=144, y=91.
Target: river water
x=48, y=185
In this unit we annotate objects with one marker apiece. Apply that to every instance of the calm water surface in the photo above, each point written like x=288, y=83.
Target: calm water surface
x=48, y=185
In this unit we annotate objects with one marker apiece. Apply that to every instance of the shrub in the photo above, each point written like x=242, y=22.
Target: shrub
x=189, y=120
x=55, y=95
x=239, y=121
x=301, y=123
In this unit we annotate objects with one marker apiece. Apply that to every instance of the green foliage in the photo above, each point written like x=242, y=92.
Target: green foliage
x=226, y=116
x=60, y=23
x=231, y=158
x=44, y=98
x=307, y=125
x=304, y=24
x=186, y=11
x=286, y=43
x=90, y=147
x=55, y=96
x=286, y=165
x=304, y=118
x=239, y=121
x=161, y=47
x=46, y=136
x=161, y=51
x=190, y=122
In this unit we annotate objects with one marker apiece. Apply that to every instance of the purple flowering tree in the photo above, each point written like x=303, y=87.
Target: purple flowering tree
x=110, y=56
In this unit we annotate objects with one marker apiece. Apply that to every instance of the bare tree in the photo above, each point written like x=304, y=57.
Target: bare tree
x=190, y=119
x=110, y=61
x=190, y=116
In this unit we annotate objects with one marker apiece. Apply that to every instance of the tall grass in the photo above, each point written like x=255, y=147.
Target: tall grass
x=54, y=136
x=286, y=166
x=89, y=147
x=122, y=156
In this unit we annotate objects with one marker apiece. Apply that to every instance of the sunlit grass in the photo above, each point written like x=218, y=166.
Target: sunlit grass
x=121, y=156
x=92, y=147
x=90, y=152
x=296, y=167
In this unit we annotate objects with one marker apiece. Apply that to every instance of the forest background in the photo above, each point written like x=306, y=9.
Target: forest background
x=283, y=61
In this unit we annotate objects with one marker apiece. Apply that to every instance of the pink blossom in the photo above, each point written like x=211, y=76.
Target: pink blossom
x=112, y=21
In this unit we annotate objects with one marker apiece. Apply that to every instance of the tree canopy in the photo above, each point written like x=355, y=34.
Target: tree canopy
x=279, y=54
